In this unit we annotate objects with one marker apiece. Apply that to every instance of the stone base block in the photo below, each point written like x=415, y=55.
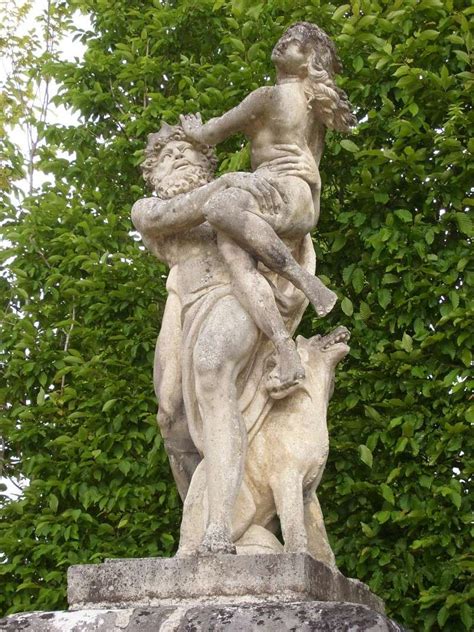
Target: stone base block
x=303, y=616
x=228, y=593
x=213, y=579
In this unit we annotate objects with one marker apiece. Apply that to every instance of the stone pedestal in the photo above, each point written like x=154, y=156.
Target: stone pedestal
x=273, y=593
x=215, y=579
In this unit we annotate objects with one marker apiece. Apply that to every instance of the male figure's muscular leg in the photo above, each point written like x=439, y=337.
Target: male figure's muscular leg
x=172, y=421
x=222, y=349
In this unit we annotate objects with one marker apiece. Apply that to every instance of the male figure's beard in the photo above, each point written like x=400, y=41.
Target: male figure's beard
x=175, y=183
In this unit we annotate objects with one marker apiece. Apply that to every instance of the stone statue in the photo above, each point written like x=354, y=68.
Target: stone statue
x=232, y=385
x=172, y=227
x=242, y=406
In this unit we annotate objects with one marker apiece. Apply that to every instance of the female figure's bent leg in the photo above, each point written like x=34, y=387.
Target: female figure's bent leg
x=256, y=295
x=224, y=345
x=234, y=212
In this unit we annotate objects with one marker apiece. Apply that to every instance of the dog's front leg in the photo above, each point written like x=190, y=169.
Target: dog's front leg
x=287, y=487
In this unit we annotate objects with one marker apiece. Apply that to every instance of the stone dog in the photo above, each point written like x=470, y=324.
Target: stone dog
x=285, y=463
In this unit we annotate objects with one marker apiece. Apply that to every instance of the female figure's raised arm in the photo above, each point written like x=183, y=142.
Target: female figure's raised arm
x=238, y=119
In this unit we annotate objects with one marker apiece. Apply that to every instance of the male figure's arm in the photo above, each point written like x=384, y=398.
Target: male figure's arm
x=157, y=218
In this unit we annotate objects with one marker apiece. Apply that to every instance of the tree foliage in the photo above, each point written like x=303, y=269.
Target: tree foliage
x=82, y=301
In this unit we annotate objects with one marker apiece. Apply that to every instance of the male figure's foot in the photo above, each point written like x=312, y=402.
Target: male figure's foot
x=288, y=372
x=321, y=297
x=216, y=541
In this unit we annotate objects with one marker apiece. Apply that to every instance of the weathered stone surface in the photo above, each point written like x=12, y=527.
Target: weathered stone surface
x=301, y=616
x=247, y=446
x=297, y=616
x=106, y=620
x=218, y=578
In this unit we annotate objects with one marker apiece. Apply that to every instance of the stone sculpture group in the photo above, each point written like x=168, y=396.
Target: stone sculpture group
x=242, y=406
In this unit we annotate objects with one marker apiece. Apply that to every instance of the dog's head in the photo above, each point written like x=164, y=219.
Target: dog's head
x=328, y=349
x=319, y=356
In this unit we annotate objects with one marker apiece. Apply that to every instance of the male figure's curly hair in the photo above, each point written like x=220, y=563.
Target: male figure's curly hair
x=331, y=104
x=158, y=140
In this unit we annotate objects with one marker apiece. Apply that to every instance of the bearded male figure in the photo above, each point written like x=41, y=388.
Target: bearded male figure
x=210, y=355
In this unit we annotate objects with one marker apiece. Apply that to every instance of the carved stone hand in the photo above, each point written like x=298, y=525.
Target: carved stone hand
x=301, y=164
x=268, y=198
x=191, y=124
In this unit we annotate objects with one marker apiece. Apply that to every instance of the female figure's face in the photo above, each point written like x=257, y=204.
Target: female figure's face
x=290, y=55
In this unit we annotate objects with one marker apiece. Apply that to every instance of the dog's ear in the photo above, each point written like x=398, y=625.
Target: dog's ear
x=302, y=342
x=314, y=339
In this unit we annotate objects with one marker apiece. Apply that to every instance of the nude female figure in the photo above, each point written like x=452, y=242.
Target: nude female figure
x=295, y=111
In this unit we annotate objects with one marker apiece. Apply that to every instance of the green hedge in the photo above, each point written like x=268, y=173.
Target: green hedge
x=82, y=302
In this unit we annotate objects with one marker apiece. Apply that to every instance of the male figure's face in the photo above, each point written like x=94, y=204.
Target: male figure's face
x=180, y=168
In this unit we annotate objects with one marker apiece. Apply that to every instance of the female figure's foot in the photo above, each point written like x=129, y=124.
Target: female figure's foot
x=288, y=372
x=321, y=297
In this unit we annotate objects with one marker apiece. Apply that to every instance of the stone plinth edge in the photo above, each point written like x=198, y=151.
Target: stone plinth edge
x=304, y=616
x=212, y=579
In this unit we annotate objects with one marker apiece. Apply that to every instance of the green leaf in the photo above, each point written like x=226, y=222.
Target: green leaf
x=387, y=493
x=466, y=616
x=464, y=223
x=368, y=531
x=384, y=296
x=443, y=616
x=407, y=343
x=372, y=413
x=253, y=51
x=340, y=11
x=40, y=397
x=357, y=280
x=429, y=34
x=456, y=498
x=365, y=455
x=404, y=215
x=364, y=310
x=382, y=516
x=108, y=405
x=349, y=145
x=124, y=466
x=237, y=44
x=466, y=357
x=358, y=63
x=338, y=243
x=347, y=307
x=53, y=502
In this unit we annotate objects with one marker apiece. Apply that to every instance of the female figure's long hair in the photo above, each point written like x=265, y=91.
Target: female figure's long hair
x=329, y=103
